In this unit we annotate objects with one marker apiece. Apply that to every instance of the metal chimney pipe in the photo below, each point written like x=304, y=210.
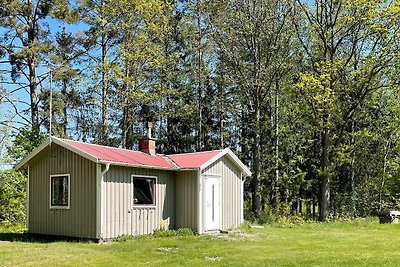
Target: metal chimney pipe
x=149, y=126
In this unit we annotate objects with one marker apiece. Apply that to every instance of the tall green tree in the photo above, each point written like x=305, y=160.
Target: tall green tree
x=347, y=45
x=141, y=61
x=248, y=34
x=64, y=74
x=100, y=41
x=26, y=42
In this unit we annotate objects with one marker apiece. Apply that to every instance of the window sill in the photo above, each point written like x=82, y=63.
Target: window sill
x=59, y=207
x=144, y=207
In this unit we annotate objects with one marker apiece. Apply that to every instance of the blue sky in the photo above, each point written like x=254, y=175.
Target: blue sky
x=21, y=97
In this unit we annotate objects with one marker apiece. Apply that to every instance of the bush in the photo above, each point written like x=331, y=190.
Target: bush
x=179, y=232
x=12, y=197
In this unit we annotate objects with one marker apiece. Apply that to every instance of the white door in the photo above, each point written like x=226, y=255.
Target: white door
x=212, y=203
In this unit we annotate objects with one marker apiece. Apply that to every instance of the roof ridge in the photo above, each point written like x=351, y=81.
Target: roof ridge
x=170, y=161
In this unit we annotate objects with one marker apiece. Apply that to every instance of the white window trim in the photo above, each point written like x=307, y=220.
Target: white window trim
x=155, y=193
x=69, y=191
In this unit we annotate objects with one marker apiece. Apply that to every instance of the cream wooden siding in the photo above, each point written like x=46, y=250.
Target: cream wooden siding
x=230, y=191
x=121, y=218
x=186, y=199
x=80, y=219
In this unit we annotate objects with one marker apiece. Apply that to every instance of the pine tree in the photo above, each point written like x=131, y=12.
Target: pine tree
x=26, y=42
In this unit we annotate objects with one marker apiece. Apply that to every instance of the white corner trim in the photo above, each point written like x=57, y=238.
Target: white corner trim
x=242, y=179
x=100, y=207
x=199, y=203
x=69, y=192
x=232, y=155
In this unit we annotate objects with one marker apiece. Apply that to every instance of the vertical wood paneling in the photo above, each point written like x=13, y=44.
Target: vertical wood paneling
x=120, y=215
x=80, y=219
x=186, y=199
x=230, y=191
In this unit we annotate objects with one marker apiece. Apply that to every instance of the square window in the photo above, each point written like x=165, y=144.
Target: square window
x=144, y=191
x=59, y=191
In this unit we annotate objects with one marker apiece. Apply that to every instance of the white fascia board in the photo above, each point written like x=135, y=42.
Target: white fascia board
x=232, y=155
x=136, y=165
x=58, y=142
x=32, y=154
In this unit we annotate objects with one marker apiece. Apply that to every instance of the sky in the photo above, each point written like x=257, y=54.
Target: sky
x=21, y=97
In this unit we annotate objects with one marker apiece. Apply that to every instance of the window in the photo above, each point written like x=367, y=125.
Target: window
x=144, y=190
x=59, y=191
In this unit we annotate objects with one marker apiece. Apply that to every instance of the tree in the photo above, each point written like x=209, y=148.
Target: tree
x=26, y=42
x=65, y=72
x=12, y=197
x=25, y=141
x=348, y=45
x=100, y=42
x=248, y=35
x=140, y=63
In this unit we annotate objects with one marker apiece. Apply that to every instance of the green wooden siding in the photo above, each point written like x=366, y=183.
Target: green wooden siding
x=120, y=217
x=80, y=219
x=176, y=197
x=186, y=199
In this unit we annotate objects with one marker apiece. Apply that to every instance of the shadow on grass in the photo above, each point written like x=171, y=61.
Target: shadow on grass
x=38, y=238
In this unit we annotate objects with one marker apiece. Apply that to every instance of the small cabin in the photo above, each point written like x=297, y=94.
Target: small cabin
x=91, y=191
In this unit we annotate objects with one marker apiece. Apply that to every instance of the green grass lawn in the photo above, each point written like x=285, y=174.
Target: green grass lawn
x=361, y=243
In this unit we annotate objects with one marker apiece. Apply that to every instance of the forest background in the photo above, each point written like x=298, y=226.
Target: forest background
x=305, y=92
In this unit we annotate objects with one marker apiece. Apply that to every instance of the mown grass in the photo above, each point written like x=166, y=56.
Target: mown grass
x=355, y=243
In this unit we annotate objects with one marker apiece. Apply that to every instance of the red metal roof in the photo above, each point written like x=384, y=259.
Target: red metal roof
x=119, y=155
x=193, y=160
x=130, y=157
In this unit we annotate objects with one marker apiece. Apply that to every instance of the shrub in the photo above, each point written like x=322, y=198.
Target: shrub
x=12, y=197
x=179, y=232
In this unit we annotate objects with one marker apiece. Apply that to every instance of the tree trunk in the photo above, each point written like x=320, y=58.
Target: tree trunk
x=33, y=95
x=32, y=75
x=199, y=81
x=386, y=149
x=325, y=180
x=257, y=186
x=274, y=185
x=353, y=173
x=221, y=116
x=124, y=127
x=104, y=78
x=65, y=118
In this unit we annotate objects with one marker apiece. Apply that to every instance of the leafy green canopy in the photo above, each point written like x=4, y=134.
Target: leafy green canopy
x=12, y=197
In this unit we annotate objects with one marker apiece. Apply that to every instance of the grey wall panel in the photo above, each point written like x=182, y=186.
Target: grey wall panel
x=230, y=191
x=80, y=219
x=121, y=217
x=186, y=199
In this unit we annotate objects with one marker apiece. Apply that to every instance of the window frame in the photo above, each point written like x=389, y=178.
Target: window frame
x=69, y=191
x=150, y=206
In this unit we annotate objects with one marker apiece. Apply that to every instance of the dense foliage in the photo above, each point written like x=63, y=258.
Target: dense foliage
x=305, y=92
x=12, y=197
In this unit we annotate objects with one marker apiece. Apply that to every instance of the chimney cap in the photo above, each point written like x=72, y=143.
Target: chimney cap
x=149, y=124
